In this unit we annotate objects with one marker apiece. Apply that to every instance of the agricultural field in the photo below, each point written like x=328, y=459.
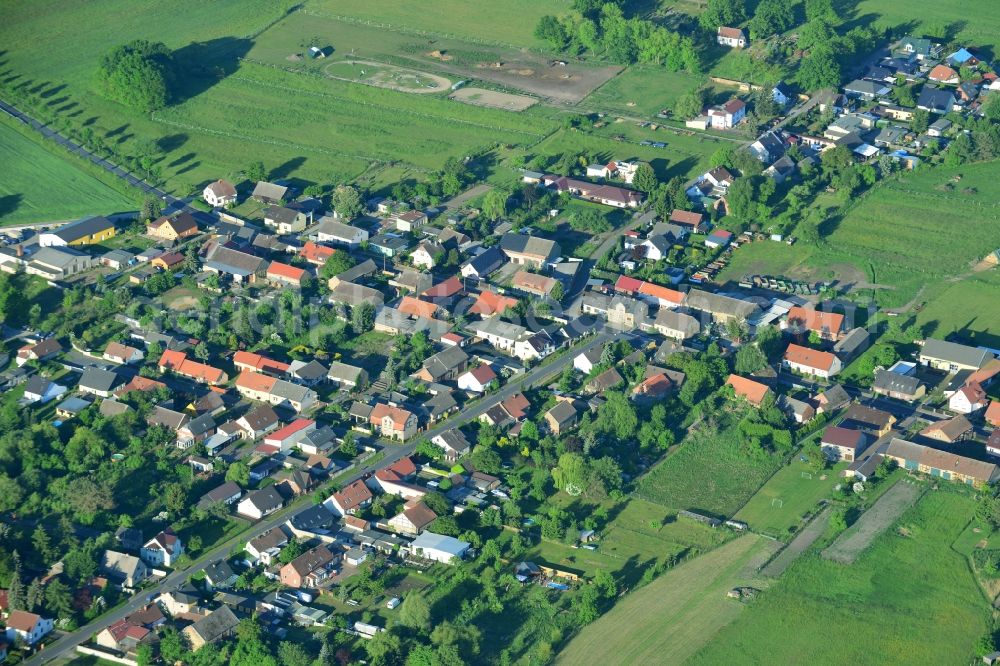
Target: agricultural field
x=710, y=472
x=678, y=613
x=42, y=186
x=792, y=492
x=957, y=312
x=511, y=23
x=928, y=606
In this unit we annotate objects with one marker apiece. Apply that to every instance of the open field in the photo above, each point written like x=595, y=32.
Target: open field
x=908, y=599
x=802, y=542
x=876, y=520
x=494, y=99
x=796, y=495
x=710, y=472
x=40, y=186
x=957, y=312
x=676, y=614
x=511, y=22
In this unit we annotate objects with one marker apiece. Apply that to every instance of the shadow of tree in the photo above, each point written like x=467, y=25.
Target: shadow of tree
x=287, y=168
x=9, y=203
x=201, y=65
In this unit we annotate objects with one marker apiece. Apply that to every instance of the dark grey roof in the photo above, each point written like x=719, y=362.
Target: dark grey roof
x=896, y=383
x=310, y=371
x=85, y=227
x=313, y=518
x=935, y=99
x=954, y=352
x=223, y=492
x=445, y=361
x=440, y=404
x=532, y=245
x=280, y=214
x=216, y=624
x=98, y=379
x=37, y=385
x=265, y=499
x=201, y=424
x=486, y=262
x=232, y=261
x=265, y=190
x=366, y=267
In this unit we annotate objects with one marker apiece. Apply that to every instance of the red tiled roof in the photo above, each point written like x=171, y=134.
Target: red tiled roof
x=662, y=293
x=449, y=287
x=289, y=430
x=517, y=406
x=254, y=381
x=816, y=320
x=754, y=392
x=140, y=383
x=730, y=33
x=398, y=415
x=315, y=253
x=286, y=272
x=484, y=374
x=686, y=218
x=181, y=364
x=844, y=437
x=654, y=385
x=490, y=303
x=810, y=358
x=258, y=362
x=627, y=285
x=992, y=414
x=22, y=620
x=417, y=308
x=353, y=495
x=398, y=471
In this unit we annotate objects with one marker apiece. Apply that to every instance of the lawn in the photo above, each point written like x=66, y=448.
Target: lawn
x=908, y=599
x=957, y=312
x=677, y=613
x=797, y=490
x=710, y=472
x=41, y=186
x=642, y=91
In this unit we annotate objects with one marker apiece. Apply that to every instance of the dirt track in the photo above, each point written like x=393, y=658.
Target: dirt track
x=876, y=520
x=441, y=84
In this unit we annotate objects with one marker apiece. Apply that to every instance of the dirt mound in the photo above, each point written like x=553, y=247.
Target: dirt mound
x=439, y=55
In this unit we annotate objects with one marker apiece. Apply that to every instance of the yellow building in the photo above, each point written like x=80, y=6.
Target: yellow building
x=82, y=232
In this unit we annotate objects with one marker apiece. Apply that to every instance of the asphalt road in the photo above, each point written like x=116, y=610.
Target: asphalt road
x=66, y=644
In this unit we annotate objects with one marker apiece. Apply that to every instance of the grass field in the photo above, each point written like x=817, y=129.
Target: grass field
x=797, y=495
x=908, y=599
x=671, y=618
x=709, y=472
x=958, y=310
x=511, y=22
x=920, y=15
x=40, y=186
x=642, y=91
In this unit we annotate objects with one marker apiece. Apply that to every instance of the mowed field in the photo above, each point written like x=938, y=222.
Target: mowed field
x=909, y=599
x=980, y=28
x=42, y=186
x=511, y=22
x=669, y=619
x=710, y=472
x=958, y=311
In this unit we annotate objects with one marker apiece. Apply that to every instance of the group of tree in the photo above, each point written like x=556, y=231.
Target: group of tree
x=139, y=74
x=603, y=29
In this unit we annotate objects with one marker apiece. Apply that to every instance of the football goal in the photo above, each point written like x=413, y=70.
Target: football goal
x=777, y=503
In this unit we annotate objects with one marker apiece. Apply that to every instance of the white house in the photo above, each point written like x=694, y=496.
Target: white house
x=439, y=547
x=220, y=193
x=811, y=362
x=427, y=254
x=266, y=547
x=728, y=115
x=411, y=220
x=40, y=389
x=28, y=627
x=162, y=550
x=731, y=37
x=477, y=379
x=338, y=233
x=260, y=503
x=970, y=398
x=453, y=443
x=585, y=361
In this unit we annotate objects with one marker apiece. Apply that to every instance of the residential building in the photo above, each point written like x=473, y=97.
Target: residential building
x=446, y=365
x=219, y=575
x=527, y=250
x=483, y=264
x=851, y=344
x=98, y=381
x=162, y=550
x=121, y=354
x=827, y=325
x=88, y=231
x=260, y=503
x=240, y=266
x=948, y=431
x=220, y=623
x=277, y=392
x=620, y=311
x=453, y=443
x=936, y=100
x=338, y=233
x=289, y=436
x=968, y=399
x=41, y=390
x=562, y=417
x=269, y=193
x=258, y=422
x=309, y=569
x=533, y=283
x=124, y=636
x=408, y=221
x=27, y=627
x=723, y=309
x=608, y=195
x=228, y=493
x=439, y=547
x=728, y=115
x=489, y=303
x=126, y=570
x=393, y=422
x=178, y=362
x=284, y=275
x=220, y=193
x=693, y=222
x=676, y=325
x=347, y=377
x=872, y=421
x=731, y=37
x=413, y=519
x=42, y=350
x=287, y=220
x=751, y=391
x=898, y=386
x=949, y=466
x=811, y=362
x=478, y=379
x=842, y=443
x=315, y=254
x=427, y=254
x=178, y=227
x=349, y=499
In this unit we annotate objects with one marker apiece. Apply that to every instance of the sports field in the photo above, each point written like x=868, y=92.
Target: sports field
x=908, y=599
x=792, y=492
x=710, y=472
x=671, y=618
x=41, y=186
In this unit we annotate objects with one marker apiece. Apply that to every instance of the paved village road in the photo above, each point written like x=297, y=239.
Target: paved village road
x=64, y=646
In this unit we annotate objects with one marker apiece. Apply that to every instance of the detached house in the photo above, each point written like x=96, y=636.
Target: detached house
x=410, y=221
x=239, y=266
x=338, y=233
x=899, y=386
x=260, y=503
x=126, y=570
x=731, y=37
x=349, y=499
x=266, y=547
x=828, y=325
x=286, y=220
x=284, y=275
x=277, y=392
x=530, y=250
x=121, y=354
x=27, y=627
x=309, y=569
x=968, y=399
x=396, y=480
x=42, y=350
x=174, y=228
x=219, y=193
x=453, y=443
x=415, y=517
x=478, y=379
x=728, y=115
x=393, y=422
x=811, y=362
x=220, y=623
x=178, y=362
x=162, y=550
x=842, y=443
x=753, y=392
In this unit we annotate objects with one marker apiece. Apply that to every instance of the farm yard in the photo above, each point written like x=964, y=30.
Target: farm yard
x=710, y=472
x=678, y=613
x=928, y=606
x=43, y=186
